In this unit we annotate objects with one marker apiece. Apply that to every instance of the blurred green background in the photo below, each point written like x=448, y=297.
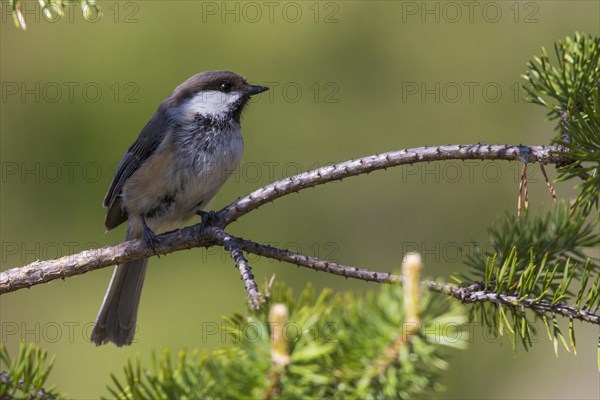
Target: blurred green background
x=348, y=79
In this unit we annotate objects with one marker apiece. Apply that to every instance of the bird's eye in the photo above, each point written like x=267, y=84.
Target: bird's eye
x=225, y=87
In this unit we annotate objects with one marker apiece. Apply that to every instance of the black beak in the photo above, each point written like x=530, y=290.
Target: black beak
x=252, y=90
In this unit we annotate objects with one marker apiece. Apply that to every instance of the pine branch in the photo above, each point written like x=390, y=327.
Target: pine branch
x=571, y=82
x=570, y=91
x=45, y=271
x=211, y=233
x=318, y=346
x=24, y=376
x=473, y=293
x=268, y=193
x=540, y=306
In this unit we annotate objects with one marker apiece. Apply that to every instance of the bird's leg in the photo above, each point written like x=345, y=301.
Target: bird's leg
x=149, y=237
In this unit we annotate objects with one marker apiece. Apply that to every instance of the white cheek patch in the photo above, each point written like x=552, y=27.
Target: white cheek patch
x=210, y=102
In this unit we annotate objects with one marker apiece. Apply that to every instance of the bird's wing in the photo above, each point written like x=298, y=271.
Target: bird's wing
x=143, y=147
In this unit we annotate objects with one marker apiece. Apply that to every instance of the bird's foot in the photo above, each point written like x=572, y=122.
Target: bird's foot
x=208, y=217
x=150, y=238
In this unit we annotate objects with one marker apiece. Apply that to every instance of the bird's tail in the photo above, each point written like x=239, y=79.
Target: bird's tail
x=118, y=313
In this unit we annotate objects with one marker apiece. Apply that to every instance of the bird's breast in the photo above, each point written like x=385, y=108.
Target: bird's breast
x=183, y=175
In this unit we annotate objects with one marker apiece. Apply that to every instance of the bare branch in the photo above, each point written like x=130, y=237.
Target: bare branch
x=45, y=271
x=320, y=176
x=473, y=293
x=317, y=264
x=229, y=243
x=211, y=234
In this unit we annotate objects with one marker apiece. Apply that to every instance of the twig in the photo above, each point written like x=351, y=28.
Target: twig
x=229, y=243
x=315, y=263
x=268, y=193
x=473, y=293
x=469, y=294
x=542, y=306
x=39, y=272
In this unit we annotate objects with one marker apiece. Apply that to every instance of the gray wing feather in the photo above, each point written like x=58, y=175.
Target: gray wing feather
x=143, y=147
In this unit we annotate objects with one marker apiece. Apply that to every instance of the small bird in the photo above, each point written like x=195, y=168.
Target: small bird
x=181, y=158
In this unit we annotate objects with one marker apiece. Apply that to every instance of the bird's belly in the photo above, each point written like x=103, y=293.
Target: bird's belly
x=170, y=188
